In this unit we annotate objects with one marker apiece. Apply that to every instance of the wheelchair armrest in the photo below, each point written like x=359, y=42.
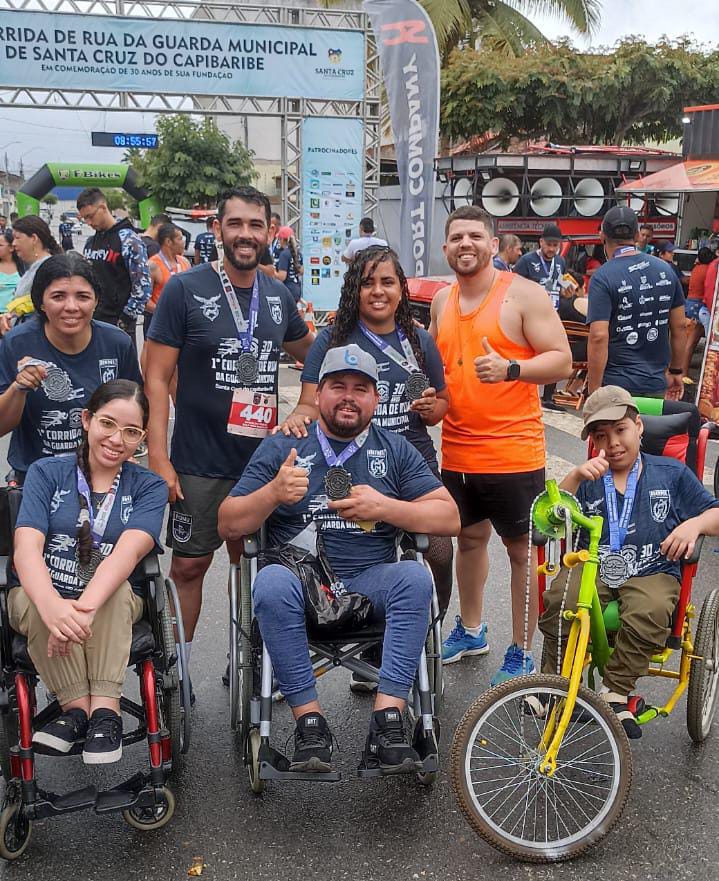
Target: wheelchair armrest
x=696, y=553
x=148, y=567
x=419, y=541
x=251, y=546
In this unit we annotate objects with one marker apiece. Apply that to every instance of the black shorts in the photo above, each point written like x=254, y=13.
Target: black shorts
x=503, y=499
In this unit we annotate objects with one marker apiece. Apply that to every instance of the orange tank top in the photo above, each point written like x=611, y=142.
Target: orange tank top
x=490, y=428
x=182, y=265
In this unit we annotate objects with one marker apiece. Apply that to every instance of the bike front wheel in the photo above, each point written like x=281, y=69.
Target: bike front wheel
x=495, y=760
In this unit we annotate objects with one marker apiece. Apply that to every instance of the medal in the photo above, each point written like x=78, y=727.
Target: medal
x=613, y=569
x=417, y=383
x=85, y=571
x=338, y=483
x=247, y=368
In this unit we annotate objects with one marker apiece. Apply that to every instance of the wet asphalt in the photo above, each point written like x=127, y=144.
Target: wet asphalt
x=378, y=829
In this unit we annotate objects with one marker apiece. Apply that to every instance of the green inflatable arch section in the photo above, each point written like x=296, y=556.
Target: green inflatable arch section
x=67, y=174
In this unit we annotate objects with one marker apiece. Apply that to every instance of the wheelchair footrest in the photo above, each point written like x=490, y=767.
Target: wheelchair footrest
x=74, y=801
x=428, y=765
x=275, y=766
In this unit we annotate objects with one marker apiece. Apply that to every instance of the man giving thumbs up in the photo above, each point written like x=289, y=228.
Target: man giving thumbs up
x=499, y=338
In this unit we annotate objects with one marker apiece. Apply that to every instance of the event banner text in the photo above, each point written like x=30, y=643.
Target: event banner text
x=105, y=53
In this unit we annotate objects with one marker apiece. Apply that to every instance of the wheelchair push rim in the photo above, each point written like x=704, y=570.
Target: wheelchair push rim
x=704, y=671
x=495, y=759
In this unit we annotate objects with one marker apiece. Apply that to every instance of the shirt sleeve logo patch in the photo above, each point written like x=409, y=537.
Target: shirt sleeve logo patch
x=209, y=305
x=108, y=369
x=377, y=463
x=126, y=508
x=275, y=305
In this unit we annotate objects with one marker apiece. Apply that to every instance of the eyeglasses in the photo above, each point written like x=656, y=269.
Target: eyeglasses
x=131, y=435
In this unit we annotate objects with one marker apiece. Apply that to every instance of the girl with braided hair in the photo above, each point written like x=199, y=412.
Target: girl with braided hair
x=374, y=312
x=85, y=522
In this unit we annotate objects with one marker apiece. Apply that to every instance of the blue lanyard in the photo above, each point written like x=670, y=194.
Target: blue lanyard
x=98, y=522
x=332, y=458
x=622, y=252
x=619, y=523
x=408, y=362
x=245, y=337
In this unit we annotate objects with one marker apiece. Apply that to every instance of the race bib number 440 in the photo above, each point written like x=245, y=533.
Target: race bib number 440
x=252, y=414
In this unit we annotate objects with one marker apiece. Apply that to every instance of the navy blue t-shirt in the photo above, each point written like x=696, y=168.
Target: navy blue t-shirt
x=286, y=263
x=51, y=504
x=668, y=493
x=50, y=422
x=205, y=244
x=393, y=409
x=194, y=317
x=386, y=462
x=545, y=272
x=635, y=294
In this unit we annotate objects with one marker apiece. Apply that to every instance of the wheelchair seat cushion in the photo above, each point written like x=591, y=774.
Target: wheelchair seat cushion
x=143, y=644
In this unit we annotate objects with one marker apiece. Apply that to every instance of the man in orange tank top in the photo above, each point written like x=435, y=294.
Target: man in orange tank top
x=500, y=338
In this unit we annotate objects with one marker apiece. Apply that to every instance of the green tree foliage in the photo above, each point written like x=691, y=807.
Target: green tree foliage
x=50, y=199
x=193, y=164
x=631, y=94
x=117, y=199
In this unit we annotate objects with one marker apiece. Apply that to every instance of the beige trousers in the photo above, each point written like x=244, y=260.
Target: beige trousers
x=646, y=604
x=95, y=667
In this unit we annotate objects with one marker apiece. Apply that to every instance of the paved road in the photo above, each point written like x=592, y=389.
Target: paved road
x=375, y=829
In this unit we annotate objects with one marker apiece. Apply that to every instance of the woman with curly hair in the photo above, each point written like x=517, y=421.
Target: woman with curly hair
x=374, y=312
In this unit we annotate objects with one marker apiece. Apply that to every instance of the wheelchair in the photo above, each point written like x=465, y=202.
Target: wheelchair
x=253, y=689
x=541, y=766
x=145, y=801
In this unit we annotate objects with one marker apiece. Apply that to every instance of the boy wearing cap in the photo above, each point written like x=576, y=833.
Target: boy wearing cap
x=654, y=509
x=637, y=324
x=357, y=486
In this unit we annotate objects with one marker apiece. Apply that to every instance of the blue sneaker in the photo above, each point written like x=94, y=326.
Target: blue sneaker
x=516, y=663
x=460, y=643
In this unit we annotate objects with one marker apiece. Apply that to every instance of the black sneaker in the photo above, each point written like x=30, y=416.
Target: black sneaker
x=360, y=684
x=387, y=746
x=103, y=743
x=64, y=732
x=313, y=744
x=630, y=725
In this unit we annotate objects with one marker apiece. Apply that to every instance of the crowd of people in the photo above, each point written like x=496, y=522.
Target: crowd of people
x=342, y=476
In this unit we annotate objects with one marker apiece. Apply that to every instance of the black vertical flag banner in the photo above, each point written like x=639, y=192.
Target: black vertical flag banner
x=410, y=65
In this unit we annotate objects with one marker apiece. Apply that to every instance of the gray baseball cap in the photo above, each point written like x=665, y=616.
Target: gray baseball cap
x=349, y=359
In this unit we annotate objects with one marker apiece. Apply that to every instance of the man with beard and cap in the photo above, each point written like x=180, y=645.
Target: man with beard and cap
x=358, y=486
x=221, y=325
x=500, y=338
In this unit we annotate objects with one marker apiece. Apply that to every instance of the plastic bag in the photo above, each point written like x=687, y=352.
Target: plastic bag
x=326, y=610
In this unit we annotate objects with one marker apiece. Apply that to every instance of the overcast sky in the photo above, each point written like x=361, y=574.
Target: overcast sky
x=63, y=135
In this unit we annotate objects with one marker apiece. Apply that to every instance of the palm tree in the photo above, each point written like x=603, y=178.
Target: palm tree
x=501, y=24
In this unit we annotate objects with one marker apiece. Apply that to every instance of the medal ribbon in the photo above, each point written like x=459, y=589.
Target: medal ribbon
x=548, y=271
x=332, y=458
x=169, y=267
x=244, y=336
x=98, y=521
x=408, y=362
x=619, y=523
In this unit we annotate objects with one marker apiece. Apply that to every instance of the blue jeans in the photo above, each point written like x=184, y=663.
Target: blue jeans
x=401, y=593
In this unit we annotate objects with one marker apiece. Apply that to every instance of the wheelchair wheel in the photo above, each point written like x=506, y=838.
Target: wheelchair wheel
x=168, y=694
x=15, y=831
x=241, y=670
x=494, y=764
x=149, y=819
x=253, y=761
x=704, y=671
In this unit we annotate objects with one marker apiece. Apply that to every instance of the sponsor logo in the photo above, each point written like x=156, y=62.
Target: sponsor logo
x=181, y=526
x=632, y=339
x=210, y=306
x=652, y=334
x=383, y=391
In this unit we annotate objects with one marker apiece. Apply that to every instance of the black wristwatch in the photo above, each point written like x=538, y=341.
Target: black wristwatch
x=513, y=370
x=675, y=371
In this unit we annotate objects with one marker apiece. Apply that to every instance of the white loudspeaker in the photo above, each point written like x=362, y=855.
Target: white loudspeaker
x=589, y=197
x=463, y=192
x=636, y=203
x=666, y=204
x=546, y=197
x=500, y=197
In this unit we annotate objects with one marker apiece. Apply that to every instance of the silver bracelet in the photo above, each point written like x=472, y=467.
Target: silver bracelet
x=22, y=388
